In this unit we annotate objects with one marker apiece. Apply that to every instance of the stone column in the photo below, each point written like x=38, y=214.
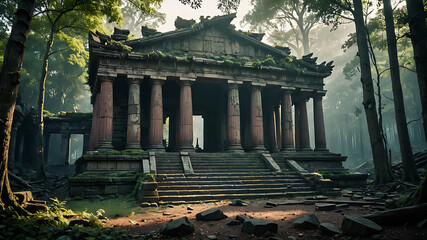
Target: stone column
x=156, y=114
x=278, y=129
x=319, y=123
x=257, y=130
x=133, y=141
x=287, y=124
x=95, y=124
x=269, y=132
x=65, y=147
x=234, y=141
x=46, y=141
x=304, y=136
x=185, y=126
x=105, y=122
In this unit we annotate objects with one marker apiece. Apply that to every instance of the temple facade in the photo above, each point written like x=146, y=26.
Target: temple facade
x=251, y=96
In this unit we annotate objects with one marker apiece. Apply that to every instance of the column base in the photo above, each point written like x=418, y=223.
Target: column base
x=104, y=146
x=321, y=149
x=307, y=149
x=259, y=149
x=156, y=148
x=234, y=148
x=288, y=149
x=133, y=147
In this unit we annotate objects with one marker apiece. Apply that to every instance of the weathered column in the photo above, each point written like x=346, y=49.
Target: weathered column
x=319, y=122
x=65, y=147
x=269, y=132
x=134, y=116
x=95, y=124
x=304, y=136
x=278, y=129
x=46, y=141
x=287, y=125
x=156, y=114
x=257, y=130
x=105, y=122
x=234, y=141
x=185, y=127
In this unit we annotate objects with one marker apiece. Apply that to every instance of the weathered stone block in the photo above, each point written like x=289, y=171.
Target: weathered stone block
x=178, y=228
x=212, y=214
x=307, y=222
x=259, y=227
x=359, y=226
x=111, y=189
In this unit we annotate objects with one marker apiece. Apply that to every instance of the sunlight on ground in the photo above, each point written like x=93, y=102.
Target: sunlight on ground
x=122, y=206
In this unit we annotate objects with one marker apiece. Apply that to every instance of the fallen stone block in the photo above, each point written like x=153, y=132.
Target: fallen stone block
x=325, y=206
x=212, y=214
x=307, y=222
x=238, y=203
x=241, y=218
x=271, y=204
x=234, y=223
x=177, y=228
x=329, y=229
x=359, y=226
x=259, y=227
x=343, y=205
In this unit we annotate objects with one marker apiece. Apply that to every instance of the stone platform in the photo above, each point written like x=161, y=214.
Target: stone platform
x=184, y=176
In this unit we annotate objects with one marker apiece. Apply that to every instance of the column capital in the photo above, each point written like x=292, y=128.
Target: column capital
x=105, y=78
x=155, y=80
x=258, y=84
x=319, y=94
x=234, y=82
x=288, y=89
x=134, y=80
x=186, y=81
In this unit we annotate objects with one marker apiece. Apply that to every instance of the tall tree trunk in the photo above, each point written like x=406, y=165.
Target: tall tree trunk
x=382, y=171
x=409, y=168
x=9, y=81
x=418, y=28
x=305, y=41
x=40, y=125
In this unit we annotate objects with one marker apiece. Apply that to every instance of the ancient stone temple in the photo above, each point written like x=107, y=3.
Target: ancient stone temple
x=252, y=98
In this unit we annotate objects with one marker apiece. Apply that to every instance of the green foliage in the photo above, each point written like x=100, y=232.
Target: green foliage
x=117, y=45
x=315, y=176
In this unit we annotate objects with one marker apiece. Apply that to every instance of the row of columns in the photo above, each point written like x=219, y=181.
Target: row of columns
x=102, y=122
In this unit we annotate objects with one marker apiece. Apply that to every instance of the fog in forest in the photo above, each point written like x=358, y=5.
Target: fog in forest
x=345, y=120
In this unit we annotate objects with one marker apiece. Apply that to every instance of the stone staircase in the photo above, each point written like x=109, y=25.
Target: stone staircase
x=169, y=163
x=225, y=176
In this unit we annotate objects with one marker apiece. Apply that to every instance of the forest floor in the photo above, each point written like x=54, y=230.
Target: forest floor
x=142, y=221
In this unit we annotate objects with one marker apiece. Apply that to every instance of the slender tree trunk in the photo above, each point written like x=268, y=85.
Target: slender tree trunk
x=382, y=173
x=40, y=125
x=409, y=168
x=9, y=81
x=418, y=28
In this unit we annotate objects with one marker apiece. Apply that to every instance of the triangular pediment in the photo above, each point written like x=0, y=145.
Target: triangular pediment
x=214, y=37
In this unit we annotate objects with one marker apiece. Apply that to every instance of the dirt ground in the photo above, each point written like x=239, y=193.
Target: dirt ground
x=152, y=218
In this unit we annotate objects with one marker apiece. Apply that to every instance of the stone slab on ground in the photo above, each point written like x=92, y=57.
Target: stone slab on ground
x=259, y=227
x=309, y=221
x=325, y=206
x=238, y=203
x=242, y=218
x=359, y=226
x=212, y=214
x=329, y=229
x=234, y=223
x=178, y=228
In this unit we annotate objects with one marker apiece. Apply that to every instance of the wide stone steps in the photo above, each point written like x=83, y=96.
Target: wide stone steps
x=226, y=176
x=221, y=185
x=172, y=198
x=231, y=191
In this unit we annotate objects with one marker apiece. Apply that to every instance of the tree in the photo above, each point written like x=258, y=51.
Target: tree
x=9, y=82
x=282, y=15
x=409, y=168
x=69, y=20
x=332, y=11
x=418, y=28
